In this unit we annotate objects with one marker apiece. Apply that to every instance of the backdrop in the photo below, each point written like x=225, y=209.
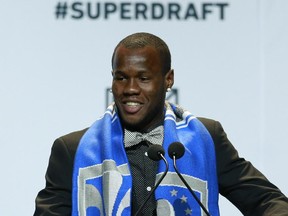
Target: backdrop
x=230, y=61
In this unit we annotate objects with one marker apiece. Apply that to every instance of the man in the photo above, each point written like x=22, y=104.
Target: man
x=104, y=170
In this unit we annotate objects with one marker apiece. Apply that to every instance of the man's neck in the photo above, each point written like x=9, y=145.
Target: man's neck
x=146, y=129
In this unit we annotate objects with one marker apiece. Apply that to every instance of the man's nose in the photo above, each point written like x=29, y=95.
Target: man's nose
x=132, y=87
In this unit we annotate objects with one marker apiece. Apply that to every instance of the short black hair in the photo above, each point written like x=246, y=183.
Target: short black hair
x=143, y=39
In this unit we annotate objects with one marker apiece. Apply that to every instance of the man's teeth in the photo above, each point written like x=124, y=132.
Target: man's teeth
x=132, y=103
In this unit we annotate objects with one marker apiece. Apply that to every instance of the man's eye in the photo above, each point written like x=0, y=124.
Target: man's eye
x=119, y=78
x=144, y=78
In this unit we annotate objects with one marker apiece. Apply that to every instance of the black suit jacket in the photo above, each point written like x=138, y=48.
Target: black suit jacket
x=238, y=180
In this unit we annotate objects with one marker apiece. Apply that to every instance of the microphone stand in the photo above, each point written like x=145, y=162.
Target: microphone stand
x=188, y=187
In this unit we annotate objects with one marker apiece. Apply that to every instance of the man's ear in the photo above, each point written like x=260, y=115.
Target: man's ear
x=169, y=77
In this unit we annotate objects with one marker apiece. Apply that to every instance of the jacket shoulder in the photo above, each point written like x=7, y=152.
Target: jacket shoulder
x=209, y=124
x=71, y=140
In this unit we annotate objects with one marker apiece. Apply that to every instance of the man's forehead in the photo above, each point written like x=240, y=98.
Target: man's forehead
x=141, y=53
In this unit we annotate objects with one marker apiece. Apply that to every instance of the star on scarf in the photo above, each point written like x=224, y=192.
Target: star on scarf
x=188, y=211
x=184, y=199
x=174, y=192
x=181, y=202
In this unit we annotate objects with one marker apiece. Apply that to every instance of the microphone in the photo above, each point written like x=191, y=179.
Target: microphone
x=156, y=153
x=176, y=150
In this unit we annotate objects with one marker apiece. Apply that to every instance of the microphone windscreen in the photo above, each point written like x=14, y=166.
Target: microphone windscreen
x=176, y=149
x=155, y=151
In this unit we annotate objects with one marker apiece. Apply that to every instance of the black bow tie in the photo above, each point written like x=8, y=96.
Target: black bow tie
x=133, y=138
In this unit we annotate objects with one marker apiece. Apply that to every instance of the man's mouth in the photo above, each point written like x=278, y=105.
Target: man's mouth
x=132, y=107
x=132, y=104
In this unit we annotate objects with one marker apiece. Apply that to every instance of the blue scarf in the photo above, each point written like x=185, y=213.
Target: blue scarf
x=102, y=181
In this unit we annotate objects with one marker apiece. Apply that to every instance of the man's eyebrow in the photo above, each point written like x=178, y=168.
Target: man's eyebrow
x=118, y=72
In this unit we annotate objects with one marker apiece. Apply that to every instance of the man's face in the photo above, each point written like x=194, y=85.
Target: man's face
x=139, y=87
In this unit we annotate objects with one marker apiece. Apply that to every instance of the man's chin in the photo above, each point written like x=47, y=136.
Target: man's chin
x=132, y=125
